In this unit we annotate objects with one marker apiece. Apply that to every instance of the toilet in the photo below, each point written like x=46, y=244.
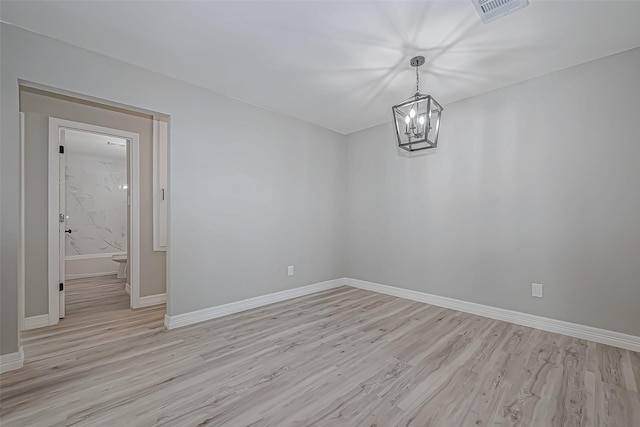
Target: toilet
x=122, y=268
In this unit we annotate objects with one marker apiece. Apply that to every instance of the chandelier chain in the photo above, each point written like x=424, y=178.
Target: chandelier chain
x=417, y=81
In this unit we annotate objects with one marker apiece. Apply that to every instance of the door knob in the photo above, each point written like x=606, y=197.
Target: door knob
x=68, y=231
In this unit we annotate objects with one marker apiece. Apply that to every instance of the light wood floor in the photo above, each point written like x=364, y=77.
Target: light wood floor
x=341, y=357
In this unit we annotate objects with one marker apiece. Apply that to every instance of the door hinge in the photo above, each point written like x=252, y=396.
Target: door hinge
x=61, y=151
x=61, y=287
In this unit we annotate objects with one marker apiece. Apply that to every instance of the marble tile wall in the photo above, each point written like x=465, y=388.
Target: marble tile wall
x=96, y=195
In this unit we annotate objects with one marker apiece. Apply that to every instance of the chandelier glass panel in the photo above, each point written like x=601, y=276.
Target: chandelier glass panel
x=417, y=118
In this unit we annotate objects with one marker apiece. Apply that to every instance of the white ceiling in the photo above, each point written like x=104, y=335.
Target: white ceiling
x=93, y=144
x=338, y=64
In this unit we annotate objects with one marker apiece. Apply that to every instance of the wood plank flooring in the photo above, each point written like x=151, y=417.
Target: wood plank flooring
x=344, y=357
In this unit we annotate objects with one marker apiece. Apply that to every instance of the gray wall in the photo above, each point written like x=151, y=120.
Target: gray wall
x=250, y=191
x=538, y=182
x=38, y=107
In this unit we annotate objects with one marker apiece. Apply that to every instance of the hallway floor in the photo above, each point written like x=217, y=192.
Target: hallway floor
x=95, y=294
x=97, y=311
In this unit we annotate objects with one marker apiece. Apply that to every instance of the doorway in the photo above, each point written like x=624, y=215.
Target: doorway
x=98, y=239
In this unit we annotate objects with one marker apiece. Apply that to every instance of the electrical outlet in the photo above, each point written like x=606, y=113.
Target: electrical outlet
x=290, y=270
x=536, y=290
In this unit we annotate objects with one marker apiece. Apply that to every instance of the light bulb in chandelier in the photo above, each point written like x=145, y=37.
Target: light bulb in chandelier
x=412, y=113
x=421, y=120
x=407, y=119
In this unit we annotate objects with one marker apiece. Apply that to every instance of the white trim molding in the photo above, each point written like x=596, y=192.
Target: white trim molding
x=35, y=322
x=602, y=336
x=11, y=361
x=159, y=138
x=133, y=265
x=92, y=256
x=53, y=247
x=150, y=300
x=21, y=241
x=127, y=288
x=185, y=319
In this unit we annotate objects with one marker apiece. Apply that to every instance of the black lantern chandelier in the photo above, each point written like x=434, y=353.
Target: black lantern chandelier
x=417, y=118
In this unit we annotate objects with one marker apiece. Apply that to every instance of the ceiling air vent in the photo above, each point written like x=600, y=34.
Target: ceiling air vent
x=490, y=10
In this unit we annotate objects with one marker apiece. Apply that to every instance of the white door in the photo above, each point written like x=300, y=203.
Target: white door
x=64, y=232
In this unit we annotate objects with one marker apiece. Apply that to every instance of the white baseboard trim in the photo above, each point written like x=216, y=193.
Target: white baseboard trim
x=87, y=275
x=127, y=288
x=150, y=300
x=35, y=322
x=11, y=361
x=602, y=336
x=179, y=320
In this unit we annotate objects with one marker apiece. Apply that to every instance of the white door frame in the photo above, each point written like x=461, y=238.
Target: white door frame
x=21, y=241
x=62, y=225
x=133, y=249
